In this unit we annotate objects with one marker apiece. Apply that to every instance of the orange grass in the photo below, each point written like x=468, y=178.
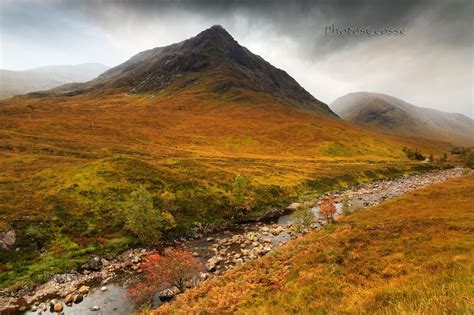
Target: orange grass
x=410, y=255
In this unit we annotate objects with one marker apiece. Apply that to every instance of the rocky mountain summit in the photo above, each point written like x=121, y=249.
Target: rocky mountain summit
x=212, y=62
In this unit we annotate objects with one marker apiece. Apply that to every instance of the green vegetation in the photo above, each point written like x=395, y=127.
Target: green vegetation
x=469, y=160
x=413, y=254
x=305, y=217
x=144, y=219
x=346, y=205
x=413, y=154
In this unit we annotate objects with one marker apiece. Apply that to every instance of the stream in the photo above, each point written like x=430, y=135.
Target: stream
x=220, y=251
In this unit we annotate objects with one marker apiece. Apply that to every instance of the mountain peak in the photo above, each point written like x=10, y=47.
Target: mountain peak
x=213, y=60
x=215, y=36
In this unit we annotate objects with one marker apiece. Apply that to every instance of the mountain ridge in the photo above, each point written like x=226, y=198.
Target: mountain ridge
x=389, y=114
x=212, y=53
x=20, y=82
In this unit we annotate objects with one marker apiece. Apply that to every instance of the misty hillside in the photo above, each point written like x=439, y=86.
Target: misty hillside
x=21, y=82
x=212, y=60
x=393, y=115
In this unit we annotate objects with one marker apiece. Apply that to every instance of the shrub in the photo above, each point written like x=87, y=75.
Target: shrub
x=346, y=205
x=305, y=217
x=458, y=150
x=469, y=160
x=144, y=220
x=413, y=154
x=173, y=268
x=327, y=208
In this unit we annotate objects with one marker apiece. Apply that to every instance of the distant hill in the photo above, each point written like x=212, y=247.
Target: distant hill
x=393, y=115
x=21, y=82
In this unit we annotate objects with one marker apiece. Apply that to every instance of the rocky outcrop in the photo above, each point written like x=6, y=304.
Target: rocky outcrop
x=7, y=239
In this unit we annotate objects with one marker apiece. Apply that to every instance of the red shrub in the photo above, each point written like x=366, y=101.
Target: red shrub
x=173, y=268
x=327, y=208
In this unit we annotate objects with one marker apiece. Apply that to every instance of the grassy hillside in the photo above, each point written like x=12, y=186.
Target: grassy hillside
x=69, y=165
x=410, y=255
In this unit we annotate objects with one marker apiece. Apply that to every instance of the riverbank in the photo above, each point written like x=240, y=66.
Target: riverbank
x=410, y=254
x=220, y=251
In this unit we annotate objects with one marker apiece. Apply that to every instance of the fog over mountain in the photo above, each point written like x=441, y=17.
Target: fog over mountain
x=430, y=65
x=20, y=82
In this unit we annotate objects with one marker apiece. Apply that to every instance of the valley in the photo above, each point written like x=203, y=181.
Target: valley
x=217, y=249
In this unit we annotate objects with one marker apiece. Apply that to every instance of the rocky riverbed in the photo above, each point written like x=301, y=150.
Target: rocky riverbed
x=101, y=284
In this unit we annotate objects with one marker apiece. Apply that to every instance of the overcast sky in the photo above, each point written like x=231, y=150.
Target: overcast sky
x=430, y=65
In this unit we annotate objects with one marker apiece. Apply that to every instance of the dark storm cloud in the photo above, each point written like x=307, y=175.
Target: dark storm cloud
x=305, y=21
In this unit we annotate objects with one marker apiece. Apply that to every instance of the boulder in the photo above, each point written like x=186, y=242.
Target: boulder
x=95, y=308
x=7, y=239
x=84, y=289
x=210, y=267
x=78, y=298
x=69, y=299
x=103, y=289
x=293, y=206
x=58, y=307
x=95, y=264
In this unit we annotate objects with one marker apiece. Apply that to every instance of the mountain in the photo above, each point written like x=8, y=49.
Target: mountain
x=21, y=82
x=213, y=59
x=389, y=114
x=175, y=127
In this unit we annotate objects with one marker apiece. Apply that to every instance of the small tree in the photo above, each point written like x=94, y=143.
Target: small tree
x=144, y=220
x=173, y=268
x=239, y=190
x=327, y=208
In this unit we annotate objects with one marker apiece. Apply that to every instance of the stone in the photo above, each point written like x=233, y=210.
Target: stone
x=210, y=267
x=69, y=299
x=293, y=206
x=78, y=298
x=95, y=308
x=195, y=254
x=95, y=264
x=103, y=289
x=84, y=289
x=7, y=239
x=53, y=302
x=203, y=276
x=58, y=307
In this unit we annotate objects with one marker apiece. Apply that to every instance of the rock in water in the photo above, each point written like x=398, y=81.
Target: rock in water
x=58, y=307
x=69, y=299
x=78, y=298
x=95, y=308
x=84, y=289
